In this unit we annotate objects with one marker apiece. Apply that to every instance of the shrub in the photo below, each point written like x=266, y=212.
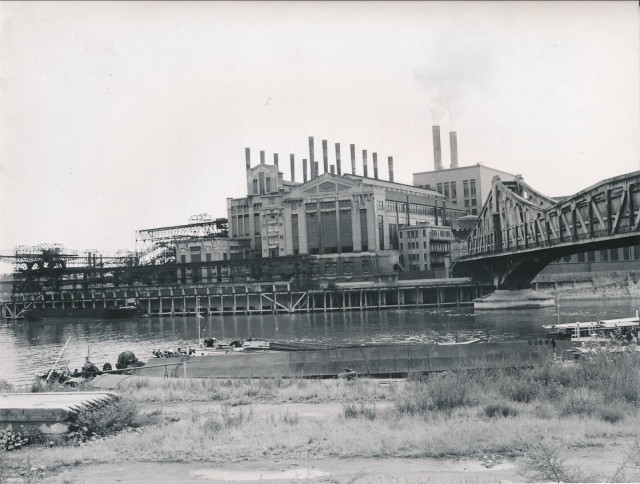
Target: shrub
x=440, y=392
x=581, y=401
x=290, y=418
x=352, y=410
x=6, y=387
x=518, y=389
x=499, y=409
x=611, y=414
x=104, y=420
x=226, y=419
x=544, y=464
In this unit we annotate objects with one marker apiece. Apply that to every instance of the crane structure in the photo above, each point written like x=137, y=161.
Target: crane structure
x=157, y=245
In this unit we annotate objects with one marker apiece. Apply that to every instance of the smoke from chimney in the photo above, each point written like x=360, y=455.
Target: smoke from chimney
x=437, y=149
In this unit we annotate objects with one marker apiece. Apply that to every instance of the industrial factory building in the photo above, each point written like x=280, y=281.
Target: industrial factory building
x=349, y=223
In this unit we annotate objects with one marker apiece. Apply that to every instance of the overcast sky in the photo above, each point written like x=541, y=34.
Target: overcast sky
x=121, y=116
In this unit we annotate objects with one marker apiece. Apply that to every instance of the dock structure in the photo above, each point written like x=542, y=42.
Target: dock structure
x=47, y=413
x=258, y=298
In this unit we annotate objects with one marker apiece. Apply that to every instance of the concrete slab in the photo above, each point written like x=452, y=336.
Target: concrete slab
x=49, y=413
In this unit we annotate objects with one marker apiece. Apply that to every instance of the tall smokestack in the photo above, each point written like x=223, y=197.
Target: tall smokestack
x=375, y=165
x=311, y=158
x=275, y=161
x=437, y=150
x=261, y=157
x=293, y=167
x=338, y=168
x=332, y=169
x=390, y=168
x=247, y=157
x=453, y=143
x=364, y=163
x=325, y=156
x=304, y=170
x=353, y=159
x=316, y=168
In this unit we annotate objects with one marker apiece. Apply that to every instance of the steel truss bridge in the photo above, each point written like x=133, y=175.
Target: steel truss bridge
x=519, y=230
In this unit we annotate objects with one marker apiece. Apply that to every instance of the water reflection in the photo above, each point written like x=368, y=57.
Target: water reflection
x=31, y=347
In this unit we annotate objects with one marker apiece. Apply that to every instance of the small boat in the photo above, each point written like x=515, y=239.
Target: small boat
x=592, y=331
x=211, y=346
x=467, y=342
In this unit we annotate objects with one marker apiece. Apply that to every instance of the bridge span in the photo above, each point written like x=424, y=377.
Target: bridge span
x=519, y=230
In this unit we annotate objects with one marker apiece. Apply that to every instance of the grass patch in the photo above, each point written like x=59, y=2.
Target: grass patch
x=447, y=414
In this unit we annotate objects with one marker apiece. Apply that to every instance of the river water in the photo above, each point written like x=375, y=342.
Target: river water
x=28, y=348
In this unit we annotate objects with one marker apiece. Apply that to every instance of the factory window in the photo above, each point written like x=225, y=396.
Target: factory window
x=466, y=203
x=366, y=265
x=454, y=195
x=604, y=255
x=439, y=185
x=591, y=256
x=261, y=182
x=446, y=189
x=428, y=187
x=381, y=232
x=380, y=205
x=626, y=253
x=393, y=236
x=347, y=267
x=255, y=186
x=268, y=184
x=364, y=230
x=424, y=244
x=400, y=245
x=613, y=254
x=636, y=251
x=472, y=187
x=474, y=202
x=465, y=188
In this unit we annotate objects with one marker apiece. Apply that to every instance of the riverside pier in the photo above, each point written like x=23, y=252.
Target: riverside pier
x=258, y=298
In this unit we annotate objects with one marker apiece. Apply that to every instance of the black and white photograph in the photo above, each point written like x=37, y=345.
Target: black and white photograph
x=341, y=242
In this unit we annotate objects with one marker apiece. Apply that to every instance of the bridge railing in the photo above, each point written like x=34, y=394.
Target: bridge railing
x=540, y=244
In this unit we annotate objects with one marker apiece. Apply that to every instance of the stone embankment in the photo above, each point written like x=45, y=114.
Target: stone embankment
x=590, y=285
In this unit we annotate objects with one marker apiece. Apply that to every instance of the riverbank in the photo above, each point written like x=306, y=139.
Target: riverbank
x=578, y=421
x=590, y=285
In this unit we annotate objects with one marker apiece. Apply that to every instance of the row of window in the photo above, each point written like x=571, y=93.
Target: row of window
x=433, y=233
x=401, y=207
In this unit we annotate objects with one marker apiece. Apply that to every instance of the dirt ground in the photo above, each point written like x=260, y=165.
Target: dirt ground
x=492, y=469
x=478, y=469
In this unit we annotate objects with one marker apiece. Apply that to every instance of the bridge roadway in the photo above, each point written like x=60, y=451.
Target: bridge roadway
x=519, y=230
